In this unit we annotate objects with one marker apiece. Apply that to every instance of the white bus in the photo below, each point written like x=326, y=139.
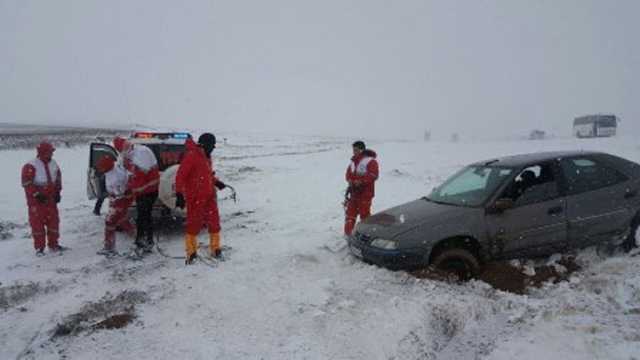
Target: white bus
x=595, y=126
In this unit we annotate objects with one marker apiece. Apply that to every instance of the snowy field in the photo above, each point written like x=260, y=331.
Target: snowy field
x=16, y=136
x=282, y=294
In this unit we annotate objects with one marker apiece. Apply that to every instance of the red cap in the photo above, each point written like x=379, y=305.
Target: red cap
x=119, y=143
x=45, y=148
x=105, y=164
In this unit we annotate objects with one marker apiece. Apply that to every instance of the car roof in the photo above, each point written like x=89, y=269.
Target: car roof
x=516, y=161
x=151, y=141
x=159, y=137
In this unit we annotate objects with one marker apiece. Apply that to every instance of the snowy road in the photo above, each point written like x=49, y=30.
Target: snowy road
x=282, y=295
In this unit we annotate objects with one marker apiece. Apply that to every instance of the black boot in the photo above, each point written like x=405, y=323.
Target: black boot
x=140, y=246
x=148, y=246
x=191, y=259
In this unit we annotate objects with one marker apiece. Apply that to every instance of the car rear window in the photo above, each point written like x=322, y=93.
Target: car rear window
x=167, y=154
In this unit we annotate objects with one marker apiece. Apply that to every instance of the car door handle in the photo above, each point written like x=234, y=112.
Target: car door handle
x=630, y=194
x=555, y=210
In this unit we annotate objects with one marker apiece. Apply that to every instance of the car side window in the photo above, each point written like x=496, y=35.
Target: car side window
x=585, y=174
x=534, y=184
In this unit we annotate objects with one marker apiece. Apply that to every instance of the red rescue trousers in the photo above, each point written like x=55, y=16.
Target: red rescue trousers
x=357, y=205
x=117, y=219
x=44, y=222
x=201, y=213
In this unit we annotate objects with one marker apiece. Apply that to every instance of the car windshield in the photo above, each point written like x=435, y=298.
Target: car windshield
x=471, y=186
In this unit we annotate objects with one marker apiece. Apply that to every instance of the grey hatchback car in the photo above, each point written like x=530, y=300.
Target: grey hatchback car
x=518, y=206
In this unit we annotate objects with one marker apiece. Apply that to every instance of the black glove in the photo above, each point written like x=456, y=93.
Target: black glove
x=220, y=185
x=180, y=203
x=42, y=198
x=57, y=197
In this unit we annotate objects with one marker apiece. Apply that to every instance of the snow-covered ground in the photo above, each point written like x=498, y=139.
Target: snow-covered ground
x=282, y=294
x=17, y=136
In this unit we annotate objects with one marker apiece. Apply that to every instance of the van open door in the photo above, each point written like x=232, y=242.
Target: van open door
x=95, y=187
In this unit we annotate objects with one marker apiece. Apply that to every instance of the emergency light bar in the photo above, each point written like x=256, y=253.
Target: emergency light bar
x=153, y=135
x=143, y=135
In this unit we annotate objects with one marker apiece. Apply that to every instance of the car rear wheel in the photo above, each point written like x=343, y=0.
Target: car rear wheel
x=457, y=262
x=633, y=241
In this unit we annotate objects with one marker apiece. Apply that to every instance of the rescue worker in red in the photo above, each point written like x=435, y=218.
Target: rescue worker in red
x=140, y=161
x=196, y=186
x=120, y=199
x=42, y=182
x=361, y=175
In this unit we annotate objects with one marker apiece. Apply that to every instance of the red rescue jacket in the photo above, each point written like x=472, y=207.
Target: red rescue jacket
x=195, y=178
x=142, y=181
x=363, y=168
x=43, y=178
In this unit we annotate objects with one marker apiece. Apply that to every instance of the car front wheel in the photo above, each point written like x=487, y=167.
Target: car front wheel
x=457, y=262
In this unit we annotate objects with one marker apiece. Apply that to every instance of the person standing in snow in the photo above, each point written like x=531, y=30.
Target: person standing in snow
x=120, y=199
x=42, y=183
x=361, y=176
x=196, y=187
x=140, y=161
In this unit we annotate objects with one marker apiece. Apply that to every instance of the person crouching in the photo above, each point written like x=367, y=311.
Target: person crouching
x=120, y=200
x=141, y=162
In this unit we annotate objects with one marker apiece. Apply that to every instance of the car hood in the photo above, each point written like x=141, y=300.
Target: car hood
x=394, y=221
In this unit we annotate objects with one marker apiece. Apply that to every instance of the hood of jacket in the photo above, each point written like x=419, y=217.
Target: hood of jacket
x=366, y=153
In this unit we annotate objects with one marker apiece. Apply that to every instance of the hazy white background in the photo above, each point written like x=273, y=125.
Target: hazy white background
x=335, y=67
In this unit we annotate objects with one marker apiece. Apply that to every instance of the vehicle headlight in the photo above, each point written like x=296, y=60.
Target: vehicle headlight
x=385, y=244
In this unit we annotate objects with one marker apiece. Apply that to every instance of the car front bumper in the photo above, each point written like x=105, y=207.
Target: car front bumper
x=359, y=246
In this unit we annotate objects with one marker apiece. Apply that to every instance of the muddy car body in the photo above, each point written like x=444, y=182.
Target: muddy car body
x=518, y=206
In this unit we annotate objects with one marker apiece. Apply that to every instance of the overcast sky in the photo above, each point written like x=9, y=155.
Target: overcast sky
x=338, y=67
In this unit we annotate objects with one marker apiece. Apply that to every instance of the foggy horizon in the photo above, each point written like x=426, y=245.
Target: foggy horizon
x=353, y=69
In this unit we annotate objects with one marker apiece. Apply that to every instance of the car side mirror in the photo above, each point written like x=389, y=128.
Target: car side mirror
x=501, y=205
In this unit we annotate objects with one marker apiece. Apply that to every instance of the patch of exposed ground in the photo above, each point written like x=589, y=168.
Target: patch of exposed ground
x=110, y=312
x=508, y=277
x=238, y=173
x=242, y=213
x=513, y=277
x=7, y=229
x=117, y=321
x=432, y=274
x=277, y=154
x=123, y=274
x=19, y=293
x=245, y=169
